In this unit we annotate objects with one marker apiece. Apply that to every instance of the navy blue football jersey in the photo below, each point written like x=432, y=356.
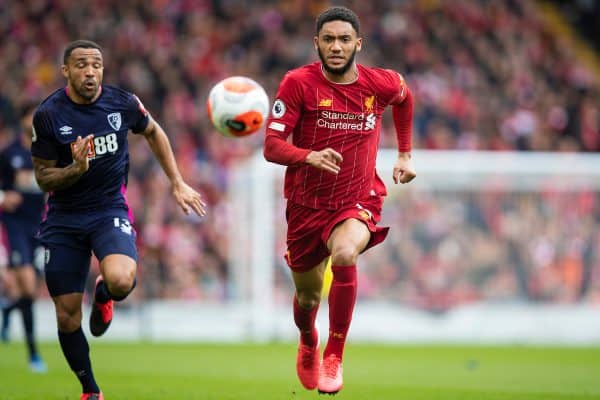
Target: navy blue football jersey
x=58, y=121
x=16, y=172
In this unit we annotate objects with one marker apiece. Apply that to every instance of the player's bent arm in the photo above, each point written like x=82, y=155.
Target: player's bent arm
x=279, y=151
x=51, y=178
x=402, y=115
x=327, y=159
x=403, y=171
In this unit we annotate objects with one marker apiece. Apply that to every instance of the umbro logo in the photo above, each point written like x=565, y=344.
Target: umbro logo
x=65, y=130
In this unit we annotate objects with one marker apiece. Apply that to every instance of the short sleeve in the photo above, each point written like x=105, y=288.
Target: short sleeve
x=398, y=87
x=138, y=115
x=287, y=107
x=43, y=144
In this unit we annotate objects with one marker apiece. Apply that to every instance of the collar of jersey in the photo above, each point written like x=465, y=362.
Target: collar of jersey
x=339, y=83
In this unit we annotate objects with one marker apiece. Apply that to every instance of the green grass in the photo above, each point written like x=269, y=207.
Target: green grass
x=266, y=372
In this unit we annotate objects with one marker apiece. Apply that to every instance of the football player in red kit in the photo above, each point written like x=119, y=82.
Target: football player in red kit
x=333, y=111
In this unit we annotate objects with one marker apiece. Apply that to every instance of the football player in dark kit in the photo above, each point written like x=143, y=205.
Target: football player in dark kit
x=21, y=205
x=80, y=156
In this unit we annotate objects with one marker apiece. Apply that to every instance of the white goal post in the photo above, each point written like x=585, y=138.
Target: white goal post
x=257, y=263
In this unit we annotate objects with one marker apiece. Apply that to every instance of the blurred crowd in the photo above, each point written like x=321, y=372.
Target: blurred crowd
x=584, y=14
x=486, y=75
x=498, y=246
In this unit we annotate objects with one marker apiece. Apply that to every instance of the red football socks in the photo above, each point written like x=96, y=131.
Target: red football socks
x=305, y=321
x=342, y=297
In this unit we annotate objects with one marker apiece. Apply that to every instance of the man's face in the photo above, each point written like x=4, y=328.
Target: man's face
x=337, y=45
x=84, y=70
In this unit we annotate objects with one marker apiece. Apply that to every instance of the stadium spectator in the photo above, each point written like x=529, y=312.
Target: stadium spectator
x=488, y=76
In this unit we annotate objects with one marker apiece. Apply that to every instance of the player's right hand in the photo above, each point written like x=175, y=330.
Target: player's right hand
x=326, y=159
x=80, y=151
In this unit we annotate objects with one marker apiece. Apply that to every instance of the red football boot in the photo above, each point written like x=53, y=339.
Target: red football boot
x=92, y=396
x=101, y=315
x=330, y=375
x=307, y=363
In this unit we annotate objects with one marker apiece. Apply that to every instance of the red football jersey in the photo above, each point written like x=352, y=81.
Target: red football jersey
x=346, y=117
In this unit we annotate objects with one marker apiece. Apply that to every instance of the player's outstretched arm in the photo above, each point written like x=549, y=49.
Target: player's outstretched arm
x=186, y=197
x=402, y=113
x=51, y=178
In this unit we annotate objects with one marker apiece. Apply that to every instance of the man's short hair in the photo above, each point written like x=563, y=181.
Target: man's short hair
x=338, y=14
x=79, y=44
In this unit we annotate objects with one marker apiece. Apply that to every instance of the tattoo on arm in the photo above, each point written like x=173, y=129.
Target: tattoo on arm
x=51, y=178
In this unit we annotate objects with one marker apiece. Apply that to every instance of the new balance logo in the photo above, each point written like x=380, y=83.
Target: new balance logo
x=65, y=130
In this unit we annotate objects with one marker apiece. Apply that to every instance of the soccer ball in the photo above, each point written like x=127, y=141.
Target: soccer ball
x=237, y=106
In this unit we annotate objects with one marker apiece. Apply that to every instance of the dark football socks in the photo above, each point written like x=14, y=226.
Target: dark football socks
x=25, y=304
x=6, y=315
x=77, y=352
x=342, y=297
x=102, y=294
x=305, y=321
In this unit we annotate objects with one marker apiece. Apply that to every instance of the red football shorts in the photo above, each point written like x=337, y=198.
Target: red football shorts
x=309, y=230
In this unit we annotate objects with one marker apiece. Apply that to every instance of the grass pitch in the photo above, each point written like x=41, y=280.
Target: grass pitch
x=147, y=371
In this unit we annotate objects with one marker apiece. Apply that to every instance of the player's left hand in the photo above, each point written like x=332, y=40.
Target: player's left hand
x=403, y=169
x=188, y=198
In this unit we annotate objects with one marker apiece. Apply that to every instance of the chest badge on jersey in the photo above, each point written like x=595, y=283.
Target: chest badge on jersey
x=369, y=102
x=371, y=120
x=114, y=120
